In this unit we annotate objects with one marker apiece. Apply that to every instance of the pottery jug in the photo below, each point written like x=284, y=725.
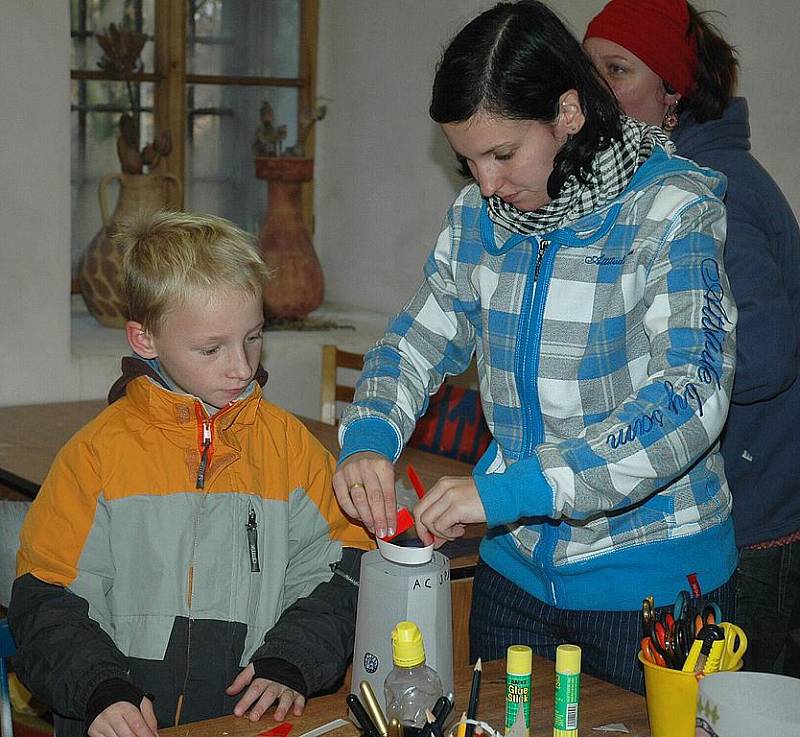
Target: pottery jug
x=99, y=271
x=297, y=284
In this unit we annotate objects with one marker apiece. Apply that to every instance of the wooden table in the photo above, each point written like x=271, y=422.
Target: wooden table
x=31, y=435
x=601, y=703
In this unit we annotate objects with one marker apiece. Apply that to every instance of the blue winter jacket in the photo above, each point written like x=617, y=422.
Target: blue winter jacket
x=605, y=352
x=760, y=443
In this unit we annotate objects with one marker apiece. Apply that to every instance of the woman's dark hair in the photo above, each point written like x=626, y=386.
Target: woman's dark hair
x=515, y=61
x=717, y=70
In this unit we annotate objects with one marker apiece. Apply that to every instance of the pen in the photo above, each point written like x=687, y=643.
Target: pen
x=373, y=708
x=361, y=716
x=441, y=710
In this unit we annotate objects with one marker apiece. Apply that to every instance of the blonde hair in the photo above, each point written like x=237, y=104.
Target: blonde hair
x=170, y=256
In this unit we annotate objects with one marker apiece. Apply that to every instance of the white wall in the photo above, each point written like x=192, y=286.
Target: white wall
x=384, y=174
x=34, y=201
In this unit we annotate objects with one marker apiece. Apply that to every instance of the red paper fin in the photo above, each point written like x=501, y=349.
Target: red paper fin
x=415, y=481
x=404, y=522
x=279, y=730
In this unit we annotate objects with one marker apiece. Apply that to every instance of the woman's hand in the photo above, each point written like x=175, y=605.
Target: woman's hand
x=444, y=510
x=123, y=719
x=364, y=486
x=261, y=694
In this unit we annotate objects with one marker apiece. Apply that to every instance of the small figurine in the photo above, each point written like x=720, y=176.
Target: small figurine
x=269, y=140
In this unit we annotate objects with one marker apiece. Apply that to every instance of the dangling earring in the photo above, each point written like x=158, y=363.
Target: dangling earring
x=670, y=122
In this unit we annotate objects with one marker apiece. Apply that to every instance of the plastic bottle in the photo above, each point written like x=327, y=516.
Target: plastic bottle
x=411, y=686
x=519, y=660
x=568, y=691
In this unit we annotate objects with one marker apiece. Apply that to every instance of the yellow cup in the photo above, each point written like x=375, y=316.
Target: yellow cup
x=671, y=697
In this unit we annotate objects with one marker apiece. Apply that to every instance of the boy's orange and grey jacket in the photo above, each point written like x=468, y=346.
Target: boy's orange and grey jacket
x=131, y=577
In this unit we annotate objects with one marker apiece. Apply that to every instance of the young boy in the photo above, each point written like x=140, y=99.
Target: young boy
x=177, y=562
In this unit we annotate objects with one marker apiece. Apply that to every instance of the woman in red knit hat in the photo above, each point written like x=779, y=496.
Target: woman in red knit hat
x=669, y=67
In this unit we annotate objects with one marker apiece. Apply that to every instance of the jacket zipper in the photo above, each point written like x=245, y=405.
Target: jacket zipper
x=206, y=442
x=252, y=540
x=539, y=256
x=547, y=542
x=206, y=450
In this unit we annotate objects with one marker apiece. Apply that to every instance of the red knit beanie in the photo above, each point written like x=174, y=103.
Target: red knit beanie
x=655, y=31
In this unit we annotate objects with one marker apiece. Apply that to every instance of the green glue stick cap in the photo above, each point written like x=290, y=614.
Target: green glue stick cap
x=568, y=659
x=519, y=659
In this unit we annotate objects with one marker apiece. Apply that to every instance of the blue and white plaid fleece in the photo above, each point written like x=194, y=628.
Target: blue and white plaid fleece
x=606, y=354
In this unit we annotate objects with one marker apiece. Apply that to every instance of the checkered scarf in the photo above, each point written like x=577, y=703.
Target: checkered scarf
x=611, y=171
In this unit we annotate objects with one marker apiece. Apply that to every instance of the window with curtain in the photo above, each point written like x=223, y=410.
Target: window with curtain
x=207, y=66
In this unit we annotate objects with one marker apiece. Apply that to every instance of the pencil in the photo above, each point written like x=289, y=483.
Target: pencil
x=432, y=725
x=472, y=707
x=461, y=731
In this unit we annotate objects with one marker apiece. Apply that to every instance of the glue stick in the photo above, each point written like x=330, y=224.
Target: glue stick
x=568, y=691
x=519, y=659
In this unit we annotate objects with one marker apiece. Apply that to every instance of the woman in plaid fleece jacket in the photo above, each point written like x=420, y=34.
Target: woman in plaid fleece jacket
x=583, y=268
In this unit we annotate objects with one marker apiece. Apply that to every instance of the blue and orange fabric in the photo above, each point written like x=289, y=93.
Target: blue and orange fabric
x=453, y=426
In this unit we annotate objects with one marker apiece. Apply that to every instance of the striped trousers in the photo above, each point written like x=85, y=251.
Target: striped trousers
x=503, y=614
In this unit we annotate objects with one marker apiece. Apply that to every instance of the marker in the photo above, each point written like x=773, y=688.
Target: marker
x=361, y=716
x=373, y=708
x=441, y=709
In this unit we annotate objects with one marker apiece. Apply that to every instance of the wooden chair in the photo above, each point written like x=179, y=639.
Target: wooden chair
x=332, y=391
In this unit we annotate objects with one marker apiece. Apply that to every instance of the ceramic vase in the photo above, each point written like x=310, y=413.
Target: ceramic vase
x=297, y=284
x=99, y=271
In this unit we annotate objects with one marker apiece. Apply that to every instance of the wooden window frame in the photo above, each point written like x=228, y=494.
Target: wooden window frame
x=170, y=80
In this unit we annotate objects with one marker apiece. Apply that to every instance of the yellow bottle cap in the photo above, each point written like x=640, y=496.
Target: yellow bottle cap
x=568, y=659
x=408, y=649
x=519, y=660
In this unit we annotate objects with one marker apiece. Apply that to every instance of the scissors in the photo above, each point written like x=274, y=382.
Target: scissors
x=683, y=638
x=735, y=645
x=650, y=617
x=668, y=638
x=683, y=602
x=710, y=614
x=652, y=653
x=690, y=607
x=662, y=639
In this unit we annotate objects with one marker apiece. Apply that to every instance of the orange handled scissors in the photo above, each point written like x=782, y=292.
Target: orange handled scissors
x=651, y=653
x=735, y=645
